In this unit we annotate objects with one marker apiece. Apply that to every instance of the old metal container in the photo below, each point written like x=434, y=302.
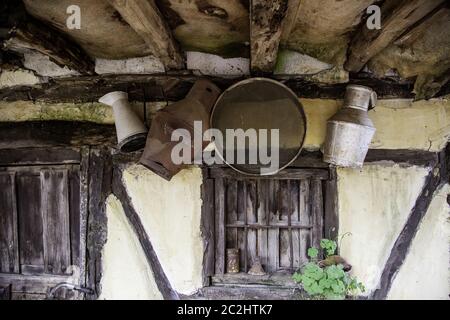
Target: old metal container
x=261, y=104
x=350, y=130
x=179, y=115
x=131, y=131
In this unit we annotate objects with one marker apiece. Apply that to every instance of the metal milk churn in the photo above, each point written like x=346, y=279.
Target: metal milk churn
x=350, y=130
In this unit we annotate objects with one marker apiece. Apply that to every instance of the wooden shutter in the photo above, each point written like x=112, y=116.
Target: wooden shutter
x=39, y=226
x=9, y=261
x=273, y=218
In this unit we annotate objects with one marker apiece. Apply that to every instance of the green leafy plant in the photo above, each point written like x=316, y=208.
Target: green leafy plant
x=329, y=282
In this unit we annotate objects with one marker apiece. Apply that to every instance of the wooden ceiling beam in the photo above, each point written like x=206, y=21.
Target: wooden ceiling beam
x=175, y=87
x=396, y=17
x=266, y=22
x=290, y=20
x=31, y=34
x=145, y=18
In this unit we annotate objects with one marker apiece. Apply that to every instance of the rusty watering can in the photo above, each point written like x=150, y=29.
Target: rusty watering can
x=180, y=115
x=350, y=130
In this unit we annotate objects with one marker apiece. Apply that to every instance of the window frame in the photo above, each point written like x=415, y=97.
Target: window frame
x=213, y=231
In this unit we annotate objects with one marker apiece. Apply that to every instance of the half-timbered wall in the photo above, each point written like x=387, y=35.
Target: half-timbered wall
x=375, y=204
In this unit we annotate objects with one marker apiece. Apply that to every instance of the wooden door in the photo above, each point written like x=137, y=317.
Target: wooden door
x=40, y=241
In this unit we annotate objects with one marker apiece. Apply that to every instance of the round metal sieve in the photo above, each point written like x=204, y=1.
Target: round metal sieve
x=261, y=105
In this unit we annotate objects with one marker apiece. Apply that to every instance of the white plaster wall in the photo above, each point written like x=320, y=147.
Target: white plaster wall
x=170, y=213
x=20, y=77
x=425, y=272
x=126, y=273
x=210, y=64
x=140, y=65
x=43, y=66
x=374, y=203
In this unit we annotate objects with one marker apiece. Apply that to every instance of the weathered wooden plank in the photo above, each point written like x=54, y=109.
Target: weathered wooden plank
x=252, y=216
x=31, y=284
x=316, y=199
x=5, y=292
x=409, y=157
x=263, y=219
x=95, y=187
x=74, y=214
x=61, y=134
x=285, y=234
x=273, y=235
x=231, y=212
x=290, y=19
x=207, y=228
x=174, y=87
x=277, y=279
x=305, y=218
x=396, y=17
x=285, y=174
x=219, y=191
x=31, y=248
x=309, y=159
x=9, y=241
x=313, y=159
x=35, y=156
x=266, y=17
x=55, y=217
x=295, y=218
x=145, y=18
x=247, y=293
x=242, y=217
x=276, y=224
x=331, y=219
x=34, y=35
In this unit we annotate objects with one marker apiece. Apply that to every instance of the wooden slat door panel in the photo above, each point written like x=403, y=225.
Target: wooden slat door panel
x=9, y=246
x=263, y=214
x=273, y=220
x=219, y=212
x=31, y=246
x=55, y=217
x=75, y=214
x=40, y=221
x=251, y=206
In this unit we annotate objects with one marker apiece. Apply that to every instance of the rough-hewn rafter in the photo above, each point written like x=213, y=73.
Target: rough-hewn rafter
x=266, y=19
x=175, y=87
x=144, y=17
x=290, y=19
x=396, y=18
x=34, y=35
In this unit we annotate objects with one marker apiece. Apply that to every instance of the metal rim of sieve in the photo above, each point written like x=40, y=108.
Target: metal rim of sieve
x=297, y=104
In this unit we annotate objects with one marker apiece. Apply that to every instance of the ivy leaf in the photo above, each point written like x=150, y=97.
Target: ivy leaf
x=334, y=272
x=316, y=289
x=297, y=277
x=306, y=281
x=329, y=246
x=338, y=287
x=325, y=283
x=313, y=252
